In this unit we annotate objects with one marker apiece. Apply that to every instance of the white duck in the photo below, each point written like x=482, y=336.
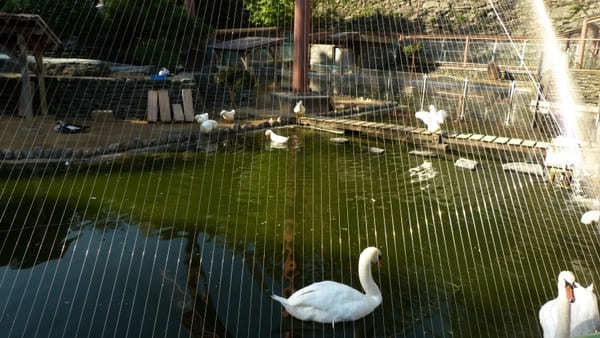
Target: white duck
x=573, y=312
x=201, y=117
x=432, y=118
x=331, y=302
x=299, y=108
x=276, y=138
x=228, y=116
x=208, y=126
x=590, y=217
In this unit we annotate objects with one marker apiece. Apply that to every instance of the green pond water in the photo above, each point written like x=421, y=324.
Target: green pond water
x=193, y=244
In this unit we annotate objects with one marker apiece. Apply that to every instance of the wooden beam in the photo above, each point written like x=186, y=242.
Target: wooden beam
x=466, y=51
x=581, y=49
x=25, y=108
x=41, y=70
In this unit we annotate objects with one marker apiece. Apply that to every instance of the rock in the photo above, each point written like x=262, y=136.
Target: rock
x=173, y=139
x=114, y=147
x=68, y=153
x=36, y=152
x=46, y=153
x=338, y=140
x=525, y=168
x=88, y=153
x=422, y=153
x=99, y=151
x=57, y=153
x=375, y=150
x=78, y=154
x=466, y=164
x=24, y=154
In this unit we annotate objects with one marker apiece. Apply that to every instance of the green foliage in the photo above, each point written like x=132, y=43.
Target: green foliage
x=155, y=31
x=460, y=18
x=574, y=8
x=411, y=49
x=271, y=12
x=69, y=19
x=366, y=11
x=236, y=78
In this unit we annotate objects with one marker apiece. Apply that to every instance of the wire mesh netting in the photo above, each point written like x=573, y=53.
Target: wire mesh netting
x=141, y=195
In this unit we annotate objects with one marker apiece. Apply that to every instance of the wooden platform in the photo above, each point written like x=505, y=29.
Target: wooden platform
x=420, y=136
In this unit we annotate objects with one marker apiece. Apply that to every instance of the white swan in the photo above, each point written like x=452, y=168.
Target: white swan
x=590, y=217
x=207, y=126
x=574, y=312
x=432, y=118
x=201, y=117
x=228, y=115
x=299, y=108
x=275, y=138
x=331, y=302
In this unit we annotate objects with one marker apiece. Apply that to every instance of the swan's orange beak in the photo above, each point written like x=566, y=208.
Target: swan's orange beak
x=570, y=294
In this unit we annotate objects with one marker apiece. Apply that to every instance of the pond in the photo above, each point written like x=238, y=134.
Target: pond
x=193, y=244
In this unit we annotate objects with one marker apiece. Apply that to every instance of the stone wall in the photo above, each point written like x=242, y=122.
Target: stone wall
x=70, y=97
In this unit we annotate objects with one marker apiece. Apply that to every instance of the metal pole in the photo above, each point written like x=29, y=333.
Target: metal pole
x=301, y=46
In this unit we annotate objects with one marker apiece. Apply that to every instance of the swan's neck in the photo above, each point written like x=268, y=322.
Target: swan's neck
x=563, y=321
x=366, y=278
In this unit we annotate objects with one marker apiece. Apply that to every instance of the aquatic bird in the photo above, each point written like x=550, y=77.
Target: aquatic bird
x=574, y=312
x=275, y=138
x=299, y=108
x=272, y=121
x=163, y=72
x=228, y=115
x=432, y=118
x=331, y=302
x=201, y=117
x=69, y=128
x=206, y=127
x=592, y=216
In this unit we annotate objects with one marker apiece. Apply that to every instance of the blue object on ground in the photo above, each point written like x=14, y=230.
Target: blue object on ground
x=158, y=77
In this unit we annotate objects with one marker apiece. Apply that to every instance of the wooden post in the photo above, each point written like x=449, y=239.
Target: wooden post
x=41, y=71
x=539, y=91
x=522, y=56
x=494, y=51
x=581, y=47
x=301, y=46
x=511, y=96
x=25, y=108
x=597, y=129
x=424, y=91
x=461, y=101
x=466, y=52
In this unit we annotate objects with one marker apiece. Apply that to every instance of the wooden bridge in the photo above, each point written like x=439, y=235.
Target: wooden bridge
x=422, y=137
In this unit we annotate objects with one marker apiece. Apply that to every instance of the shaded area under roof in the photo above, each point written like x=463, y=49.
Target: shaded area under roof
x=34, y=31
x=247, y=43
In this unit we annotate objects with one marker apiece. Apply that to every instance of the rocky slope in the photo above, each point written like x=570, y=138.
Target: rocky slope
x=451, y=16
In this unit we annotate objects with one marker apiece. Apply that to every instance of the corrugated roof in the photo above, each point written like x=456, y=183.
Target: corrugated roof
x=247, y=43
x=33, y=28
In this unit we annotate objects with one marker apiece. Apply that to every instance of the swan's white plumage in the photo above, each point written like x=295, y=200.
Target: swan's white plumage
x=590, y=217
x=432, y=118
x=228, y=115
x=299, y=108
x=208, y=126
x=276, y=138
x=201, y=117
x=580, y=317
x=331, y=302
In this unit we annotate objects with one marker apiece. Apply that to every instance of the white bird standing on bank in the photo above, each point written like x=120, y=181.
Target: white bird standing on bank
x=574, y=312
x=228, y=116
x=163, y=72
x=276, y=138
x=590, y=217
x=299, y=108
x=432, y=118
x=206, y=125
x=331, y=302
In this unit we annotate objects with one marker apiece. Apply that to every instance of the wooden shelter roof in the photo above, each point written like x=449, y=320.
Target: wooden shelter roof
x=247, y=43
x=35, y=32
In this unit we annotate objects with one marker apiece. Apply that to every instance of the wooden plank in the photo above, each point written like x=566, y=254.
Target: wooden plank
x=501, y=140
x=528, y=143
x=188, y=105
x=515, y=142
x=542, y=145
x=488, y=138
x=178, y=113
x=164, y=105
x=463, y=136
x=476, y=137
x=452, y=134
x=418, y=130
x=152, y=111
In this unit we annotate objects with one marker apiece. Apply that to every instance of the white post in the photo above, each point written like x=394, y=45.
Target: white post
x=463, y=99
x=522, y=63
x=511, y=95
x=424, y=90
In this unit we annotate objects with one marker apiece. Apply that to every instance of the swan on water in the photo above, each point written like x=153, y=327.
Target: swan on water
x=331, y=302
x=590, y=217
x=228, y=115
x=432, y=118
x=275, y=138
x=574, y=312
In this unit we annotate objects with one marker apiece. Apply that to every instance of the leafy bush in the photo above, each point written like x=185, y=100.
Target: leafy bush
x=271, y=12
x=236, y=78
x=69, y=19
